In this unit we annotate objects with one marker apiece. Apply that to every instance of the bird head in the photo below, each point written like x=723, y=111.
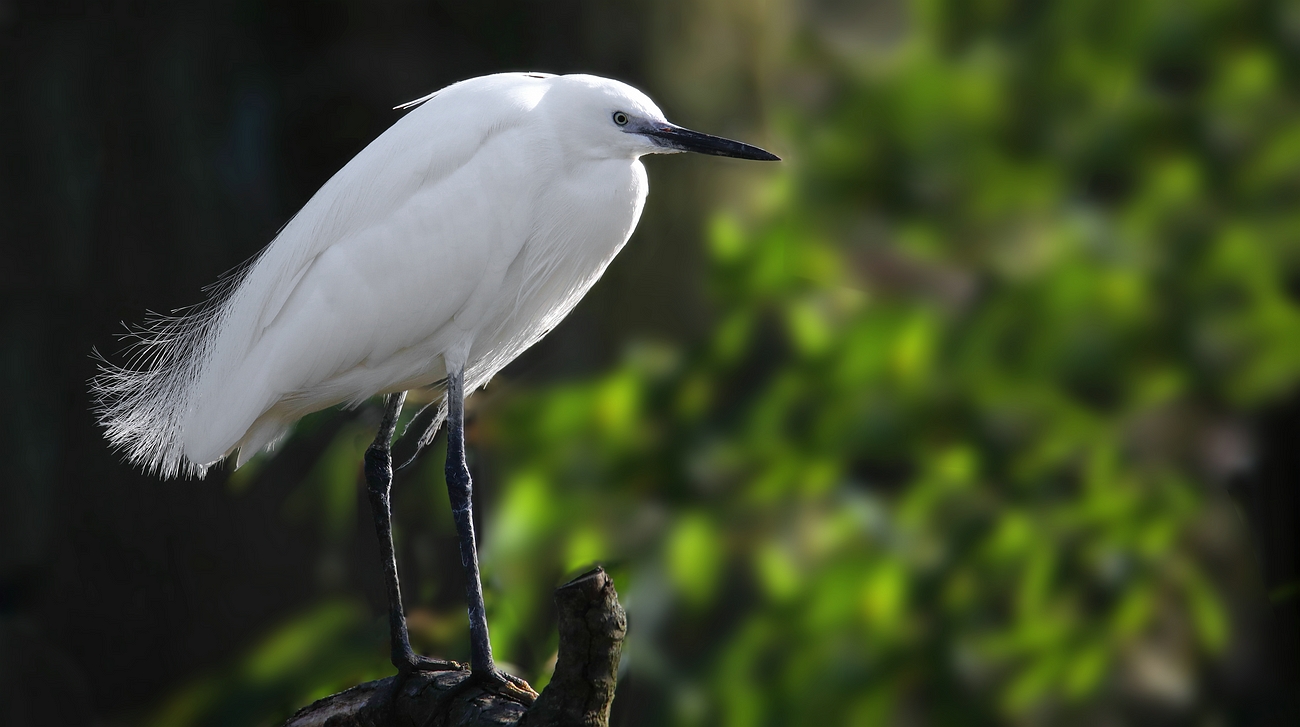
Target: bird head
x=612, y=119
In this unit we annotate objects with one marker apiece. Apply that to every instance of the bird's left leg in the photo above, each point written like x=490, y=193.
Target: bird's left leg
x=379, y=481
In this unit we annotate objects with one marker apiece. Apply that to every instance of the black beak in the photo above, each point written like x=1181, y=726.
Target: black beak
x=675, y=137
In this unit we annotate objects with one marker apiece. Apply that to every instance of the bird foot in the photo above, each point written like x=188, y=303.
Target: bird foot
x=415, y=662
x=494, y=680
x=504, y=685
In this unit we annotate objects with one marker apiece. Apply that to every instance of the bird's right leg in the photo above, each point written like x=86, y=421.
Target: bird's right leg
x=460, y=492
x=379, y=481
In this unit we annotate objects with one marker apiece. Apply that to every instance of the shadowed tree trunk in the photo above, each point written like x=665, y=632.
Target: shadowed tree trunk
x=592, y=626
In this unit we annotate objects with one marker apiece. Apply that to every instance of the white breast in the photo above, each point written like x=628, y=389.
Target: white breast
x=579, y=227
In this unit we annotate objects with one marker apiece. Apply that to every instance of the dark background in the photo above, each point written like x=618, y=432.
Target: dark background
x=147, y=148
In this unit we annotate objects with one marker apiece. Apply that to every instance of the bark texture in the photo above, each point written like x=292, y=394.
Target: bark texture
x=592, y=626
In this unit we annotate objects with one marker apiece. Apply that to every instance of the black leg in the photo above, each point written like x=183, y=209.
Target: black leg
x=460, y=490
x=379, y=481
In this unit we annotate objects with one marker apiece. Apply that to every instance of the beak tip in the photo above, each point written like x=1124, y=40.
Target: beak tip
x=758, y=154
x=755, y=154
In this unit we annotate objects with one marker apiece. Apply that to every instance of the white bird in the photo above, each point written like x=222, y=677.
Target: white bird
x=443, y=250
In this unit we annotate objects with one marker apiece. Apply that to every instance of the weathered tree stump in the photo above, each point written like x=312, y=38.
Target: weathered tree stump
x=592, y=626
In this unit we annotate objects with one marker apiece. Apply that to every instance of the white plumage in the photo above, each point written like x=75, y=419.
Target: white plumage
x=453, y=242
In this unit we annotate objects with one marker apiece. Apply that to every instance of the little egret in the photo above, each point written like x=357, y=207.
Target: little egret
x=448, y=246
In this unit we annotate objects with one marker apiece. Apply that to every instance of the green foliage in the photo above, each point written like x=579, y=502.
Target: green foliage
x=945, y=457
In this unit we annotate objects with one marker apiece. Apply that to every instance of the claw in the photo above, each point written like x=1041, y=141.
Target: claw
x=505, y=685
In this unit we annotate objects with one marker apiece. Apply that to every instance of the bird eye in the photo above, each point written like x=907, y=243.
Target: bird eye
x=620, y=118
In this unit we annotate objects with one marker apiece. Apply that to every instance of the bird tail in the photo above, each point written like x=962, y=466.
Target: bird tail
x=142, y=404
